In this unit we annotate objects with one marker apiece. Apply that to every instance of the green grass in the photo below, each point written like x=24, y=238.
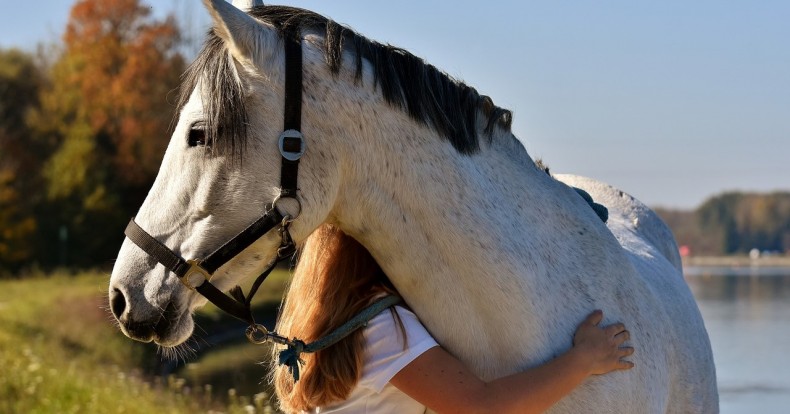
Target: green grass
x=60, y=352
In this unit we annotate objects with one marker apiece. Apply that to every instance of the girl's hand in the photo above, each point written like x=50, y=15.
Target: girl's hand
x=599, y=347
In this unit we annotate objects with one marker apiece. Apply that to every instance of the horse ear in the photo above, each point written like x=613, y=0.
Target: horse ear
x=243, y=34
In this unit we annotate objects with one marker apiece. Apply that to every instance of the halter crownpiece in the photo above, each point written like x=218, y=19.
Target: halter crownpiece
x=196, y=274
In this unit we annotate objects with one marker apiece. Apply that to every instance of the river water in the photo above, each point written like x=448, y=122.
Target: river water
x=747, y=314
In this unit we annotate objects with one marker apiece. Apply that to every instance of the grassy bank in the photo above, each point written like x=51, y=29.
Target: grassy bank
x=60, y=352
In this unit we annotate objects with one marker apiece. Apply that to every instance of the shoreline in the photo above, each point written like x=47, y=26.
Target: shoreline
x=736, y=261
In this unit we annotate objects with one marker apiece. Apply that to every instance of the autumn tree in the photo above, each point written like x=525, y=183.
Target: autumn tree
x=107, y=109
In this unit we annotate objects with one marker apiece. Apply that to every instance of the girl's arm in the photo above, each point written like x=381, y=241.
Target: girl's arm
x=442, y=382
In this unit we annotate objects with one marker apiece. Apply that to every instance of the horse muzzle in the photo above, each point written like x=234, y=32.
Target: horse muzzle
x=160, y=326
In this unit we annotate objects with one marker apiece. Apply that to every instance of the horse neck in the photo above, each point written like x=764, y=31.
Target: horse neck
x=452, y=209
x=456, y=233
x=400, y=181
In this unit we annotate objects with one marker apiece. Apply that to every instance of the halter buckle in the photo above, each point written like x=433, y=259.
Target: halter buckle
x=195, y=275
x=288, y=141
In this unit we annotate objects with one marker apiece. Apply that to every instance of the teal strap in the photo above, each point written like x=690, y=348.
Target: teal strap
x=290, y=355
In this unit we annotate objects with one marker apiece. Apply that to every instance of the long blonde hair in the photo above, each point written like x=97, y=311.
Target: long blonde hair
x=335, y=278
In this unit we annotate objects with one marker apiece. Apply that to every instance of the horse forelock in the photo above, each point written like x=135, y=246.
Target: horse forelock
x=406, y=82
x=225, y=111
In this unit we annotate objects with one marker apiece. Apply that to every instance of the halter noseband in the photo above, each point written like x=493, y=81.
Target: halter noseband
x=195, y=274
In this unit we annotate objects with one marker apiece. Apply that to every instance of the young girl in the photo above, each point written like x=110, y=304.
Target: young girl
x=393, y=365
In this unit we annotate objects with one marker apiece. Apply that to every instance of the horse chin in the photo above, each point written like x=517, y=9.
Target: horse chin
x=174, y=328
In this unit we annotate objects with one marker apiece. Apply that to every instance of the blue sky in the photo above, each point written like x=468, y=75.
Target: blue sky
x=672, y=101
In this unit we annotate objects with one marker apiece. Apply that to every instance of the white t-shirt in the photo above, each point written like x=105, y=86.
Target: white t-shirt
x=385, y=356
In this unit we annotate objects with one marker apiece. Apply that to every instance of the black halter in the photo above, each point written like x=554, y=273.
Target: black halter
x=195, y=274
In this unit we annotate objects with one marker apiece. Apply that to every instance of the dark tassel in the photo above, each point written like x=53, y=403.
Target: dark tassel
x=290, y=357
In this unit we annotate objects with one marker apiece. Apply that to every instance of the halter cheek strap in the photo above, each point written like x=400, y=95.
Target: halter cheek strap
x=291, y=140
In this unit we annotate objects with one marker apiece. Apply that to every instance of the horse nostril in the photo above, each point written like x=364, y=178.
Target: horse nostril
x=117, y=303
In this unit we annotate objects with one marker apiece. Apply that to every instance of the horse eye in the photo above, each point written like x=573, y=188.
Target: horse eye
x=197, y=137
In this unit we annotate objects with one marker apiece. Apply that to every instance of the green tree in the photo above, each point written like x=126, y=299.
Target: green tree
x=717, y=217
x=734, y=223
x=762, y=221
x=20, y=84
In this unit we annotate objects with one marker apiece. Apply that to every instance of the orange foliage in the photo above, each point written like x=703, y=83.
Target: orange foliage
x=116, y=70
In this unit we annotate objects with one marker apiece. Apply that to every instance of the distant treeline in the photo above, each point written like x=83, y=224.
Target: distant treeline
x=733, y=223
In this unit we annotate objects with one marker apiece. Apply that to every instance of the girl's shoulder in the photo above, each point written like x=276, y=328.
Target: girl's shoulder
x=398, y=320
x=391, y=342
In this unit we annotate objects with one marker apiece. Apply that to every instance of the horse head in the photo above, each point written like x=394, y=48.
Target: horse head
x=220, y=171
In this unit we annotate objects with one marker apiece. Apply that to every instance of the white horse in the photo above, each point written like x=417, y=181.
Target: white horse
x=499, y=260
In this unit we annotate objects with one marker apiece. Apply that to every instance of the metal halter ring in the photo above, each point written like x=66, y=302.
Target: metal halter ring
x=298, y=204
x=257, y=334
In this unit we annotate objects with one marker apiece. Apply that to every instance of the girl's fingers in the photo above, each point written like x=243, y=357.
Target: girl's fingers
x=594, y=318
x=625, y=351
x=624, y=365
x=622, y=337
x=615, y=329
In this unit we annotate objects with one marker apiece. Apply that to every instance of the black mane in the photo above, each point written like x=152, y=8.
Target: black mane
x=429, y=95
